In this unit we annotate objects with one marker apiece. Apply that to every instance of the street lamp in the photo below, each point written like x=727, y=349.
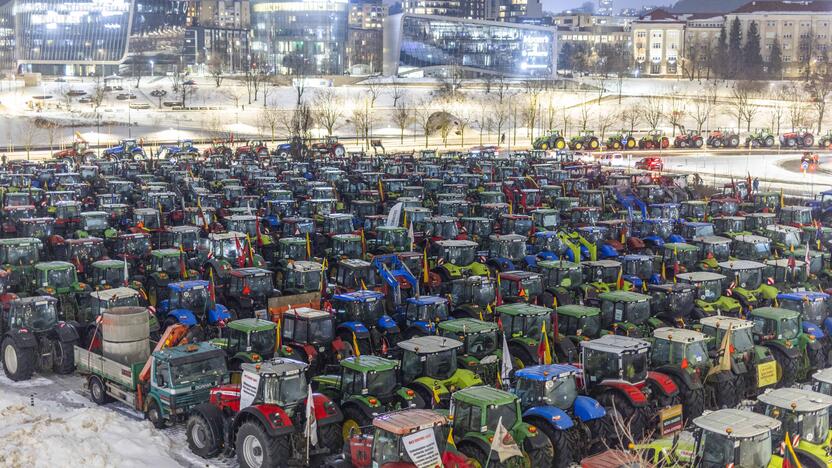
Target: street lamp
x=151, y=67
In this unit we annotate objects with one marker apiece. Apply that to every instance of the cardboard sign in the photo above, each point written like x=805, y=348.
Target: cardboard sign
x=422, y=449
x=248, y=388
x=670, y=420
x=767, y=374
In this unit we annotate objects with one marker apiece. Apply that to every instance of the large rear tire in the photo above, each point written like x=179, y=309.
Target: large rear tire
x=808, y=140
x=328, y=437
x=18, y=363
x=204, y=431
x=631, y=416
x=561, y=445
x=63, y=356
x=786, y=366
x=255, y=449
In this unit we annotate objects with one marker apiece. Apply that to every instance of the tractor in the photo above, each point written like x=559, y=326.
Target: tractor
x=688, y=139
x=18, y=256
x=106, y=274
x=248, y=292
x=224, y=252
x=723, y=138
x=552, y=140
x=621, y=140
x=586, y=139
x=733, y=437
x=615, y=372
x=751, y=247
x=472, y=296
x=602, y=276
x=746, y=283
x=814, y=314
x=165, y=266
x=561, y=282
x=574, y=424
x=654, y=139
x=796, y=353
x=78, y=152
x=248, y=340
x=35, y=340
x=419, y=315
x=126, y=149
x=760, y=138
x=804, y=415
x=825, y=141
x=190, y=303
x=672, y=303
x=329, y=146
x=627, y=313
x=682, y=355
x=456, y=259
x=310, y=335
x=712, y=250
x=481, y=351
x=361, y=321
x=366, y=387
x=709, y=299
x=429, y=367
x=524, y=326
x=263, y=418
x=801, y=138
x=60, y=280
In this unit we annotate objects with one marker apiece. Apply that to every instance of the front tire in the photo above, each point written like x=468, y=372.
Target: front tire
x=18, y=363
x=154, y=415
x=98, y=391
x=561, y=446
x=63, y=356
x=255, y=449
x=328, y=437
x=786, y=366
x=204, y=432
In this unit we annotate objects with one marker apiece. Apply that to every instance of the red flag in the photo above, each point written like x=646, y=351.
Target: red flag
x=183, y=271
x=212, y=289
x=384, y=347
x=241, y=259
x=792, y=263
x=257, y=228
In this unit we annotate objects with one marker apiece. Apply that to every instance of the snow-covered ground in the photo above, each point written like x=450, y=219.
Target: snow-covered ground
x=50, y=422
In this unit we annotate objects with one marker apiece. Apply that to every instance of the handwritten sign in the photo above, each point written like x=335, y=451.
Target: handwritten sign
x=422, y=449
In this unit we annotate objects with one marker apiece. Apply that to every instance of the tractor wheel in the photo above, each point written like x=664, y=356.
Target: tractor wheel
x=629, y=414
x=817, y=358
x=426, y=395
x=354, y=420
x=808, y=140
x=255, y=449
x=616, y=145
x=338, y=151
x=693, y=400
x=328, y=437
x=786, y=366
x=728, y=393
x=521, y=357
x=561, y=445
x=698, y=143
x=716, y=143
x=734, y=141
x=18, y=363
x=560, y=144
x=593, y=144
x=579, y=146
x=790, y=142
x=63, y=356
x=665, y=142
x=754, y=143
x=769, y=141
x=154, y=415
x=544, y=146
x=631, y=143
x=476, y=456
x=541, y=456
x=98, y=391
x=547, y=299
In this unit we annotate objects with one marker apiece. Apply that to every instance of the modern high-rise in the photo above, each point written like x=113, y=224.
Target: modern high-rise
x=364, y=36
x=300, y=37
x=604, y=8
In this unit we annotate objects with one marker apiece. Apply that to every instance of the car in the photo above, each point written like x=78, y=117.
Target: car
x=189, y=83
x=158, y=93
x=75, y=92
x=171, y=103
x=139, y=105
x=125, y=96
x=85, y=100
x=650, y=164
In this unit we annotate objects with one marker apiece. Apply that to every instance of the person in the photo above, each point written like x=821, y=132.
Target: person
x=502, y=138
x=756, y=184
x=3, y=158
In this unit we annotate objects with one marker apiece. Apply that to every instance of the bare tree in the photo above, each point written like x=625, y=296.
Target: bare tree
x=549, y=112
x=297, y=121
x=30, y=133
x=215, y=65
x=402, y=117
x=363, y=119
x=819, y=90
x=234, y=93
x=444, y=128
x=677, y=113
x=502, y=88
x=329, y=109
x=500, y=117
x=583, y=115
x=422, y=116
x=397, y=91
x=216, y=126
x=450, y=84
x=374, y=90
x=742, y=106
x=532, y=89
x=652, y=110
x=565, y=120
x=630, y=118
x=66, y=93
x=269, y=119
x=464, y=117
x=778, y=109
x=701, y=112
x=605, y=121
x=97, y=96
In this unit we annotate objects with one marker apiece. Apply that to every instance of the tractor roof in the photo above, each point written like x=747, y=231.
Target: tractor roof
x=774, y=313
x=617, y=344
x=737, y=424
x=165, y=253
x=362, y=295
x=558, y=265
x=185, y=228
x=782, y=228
x=241, y=217
x=307, y=313
x=714, y=240
x=521, y=308
x=694, y=202
x=823, y=375
x=108, y=264
x=731, y=218
x=456, y=243
x=304, y=266
x=623, y=296
x=204, y=350
x=577, y=310
x=110, y=294
x=796, y=208
x=188, y=285
x=427, y=300
x=429, y=344
x=369, y=362
x=517, y=275
x=760, y=215
x=277, y=367
x=810, y=296
x=546, y=372
x=482, y=395
x=54, y=265
x=678, y=335
x=354, y=263
x=20, y=241
x=84, y=241
x=409, y=421
x=251, y=325
x=467, y=325
x=798, y=399
x=784, y=263
x=36, y=299
x=696, y=224
x=347, y=237
x=602, y=263
x=724, y=322
x=740, y=265
x=90, y=214
x=752, y=239
x=249, y=271
x=636, y=258
x=390, y=228
x=670, y=287
x=679, y=246
x=507, y=237
x=227, y=235
x=292, y=240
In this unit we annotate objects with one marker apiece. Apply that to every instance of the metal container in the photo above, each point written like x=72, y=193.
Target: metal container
x=125, y=334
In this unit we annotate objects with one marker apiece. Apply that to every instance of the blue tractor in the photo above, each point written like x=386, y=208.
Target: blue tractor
x=639, y=270
x=189, y=303
x=419, y=315
x=126, y=149
x=361, y=320
x=505, y=251
x=575, y=424
x=544, y=246
x=814, y=314
x=822, y=206
x=655, y=232
x=183, y=147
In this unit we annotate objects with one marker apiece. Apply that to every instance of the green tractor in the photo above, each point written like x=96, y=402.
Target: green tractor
x=682, y=355
x=746, y=283
x=166, y=266
x=482, y=351
x=712, y=250
x=429, y=367
x=553, y=140
x=18, y=256
x=248, y=340
x=578, y=322
x=672, y=303
x=627, y=313
x=477, y=411
x=472, y=296
x=523, y=325
x=784, y=239
x=366, y=387
x=621, y=140
x=456, y=259
x=797, y=353
x=751, y=247
x=586, y=139
x=732, y=437
x=602, y=276
x=60, y=280
x=753, y=367
x=562, y=282
x=709, y=298
x=805, y=417
x=786, y=277
x=106, y=274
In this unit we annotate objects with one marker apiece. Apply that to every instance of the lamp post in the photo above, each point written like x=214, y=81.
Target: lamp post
x=151, y=67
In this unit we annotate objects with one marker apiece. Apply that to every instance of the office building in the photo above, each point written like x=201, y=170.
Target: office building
x=364, y=36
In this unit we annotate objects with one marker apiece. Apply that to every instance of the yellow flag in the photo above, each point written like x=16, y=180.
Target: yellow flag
x=546, y=351
x=404, y=218
x=363, y=285
x=664, y=272
x=451, y=431
x=380, y=189
x=308, y=246
x=279, y=341
x=425, y=271
x=782, y=199
x=355, y=345
x=509, y=209
x=724, y=363
x=554, y=301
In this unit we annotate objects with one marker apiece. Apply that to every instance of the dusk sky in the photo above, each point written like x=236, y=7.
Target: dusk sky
x=559, y=5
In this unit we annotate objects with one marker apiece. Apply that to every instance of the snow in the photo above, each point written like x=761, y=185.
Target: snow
x=49, y=434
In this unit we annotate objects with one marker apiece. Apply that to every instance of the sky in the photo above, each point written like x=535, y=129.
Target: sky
x=559, y=5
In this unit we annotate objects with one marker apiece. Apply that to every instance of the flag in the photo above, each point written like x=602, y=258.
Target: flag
x=183, y=271
x=308, y=247
x=544, y=353
x=505, y=365
x=311, y=429
x=499, y=293
x=250, y=250
x=792, y=263
x=355, y=349
x=241, y=259
x=504, y=444
x=664, y=272
x=257, y=228
x=806, y=258
x=279, y=341
x=789, y=457
x=126, y=271
x=363, y=243
x=212, y=288
x=425, y=269
x=411, y=236
x=620, y=281
x=724, y=362
x=380, y=189
x=161, y=215
x=782, y=200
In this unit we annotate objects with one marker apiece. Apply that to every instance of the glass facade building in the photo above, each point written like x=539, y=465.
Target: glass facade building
x=300, y=37
x=430, y=44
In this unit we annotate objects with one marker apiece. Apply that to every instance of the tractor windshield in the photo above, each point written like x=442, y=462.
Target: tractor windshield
x=754, y=250
x=442, y=365
x=198, y=371
x=227, y=248
x=719, y=251
x=257, y=286
x=442, y=229
x=482, y=344
x=137, y=246
x=681, y=302
x=696, y=353
x=641, y=268
x=368, y=312
x=567, y=278
x=507, y=413
x=814, y=427
x=60, y=278
x=396, y=238
x=634, y=366
x=740, y=338
x=96, y=222
x=262, y=342
x=40, y=315
x=751, y=278
x=484, y=294
x=718, y=451
x=347, y=248
x=108, y=275
x=194, y=299
x=458, y=255
x=167, y=263
x=510, y=249
x=285, y=390
x=633, y=312
x=437, y=311
x=560, y=393
x=381, y=383
x=813, y=311
x=20, y=254
x=789, y=328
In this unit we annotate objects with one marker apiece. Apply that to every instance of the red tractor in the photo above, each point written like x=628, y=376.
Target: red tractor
x=799, y=139
x=329, y=146
x=689, y=139
x=77, y=152
x=254, y=147
x=723, y=138
x=218, y=148
x=262, y=418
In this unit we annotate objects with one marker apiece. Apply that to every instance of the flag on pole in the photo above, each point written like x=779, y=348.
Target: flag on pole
x=411, y=236
x=544, y=353
x=241, y=259
x=505, y=365
x=212, y=288
x=504, y=444
x=806, y=258
x=355, y=349
x=279, y=341
x=183, y=271
x=790, y=459
x=620, y=281
x=380, y=189
x=724, y=362
x=363, y=243
x=782, y=199
x=257, y=228
x=425, y=269
x=250, y=256
x=311, y=429
x=126, y=271
x=308, y=247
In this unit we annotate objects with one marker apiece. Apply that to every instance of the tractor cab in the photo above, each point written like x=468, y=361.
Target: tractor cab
x=546, y=219
x=695, y=229
x=625, y=312
x=147, y=218
x=796, y=216
x=579, y=322
x=480, y=343
x=186, y=237
x=291, y=249
x=687, y=349
x=81, y=252
x=302, y=276
x=601, y=271
x=757, y=222
x=614, y=358
x=392, y=433
x=104, y=274
x=804, y=415
x=439, y=228
x=37, y=314
x=507, y=249
x=560, y=273
x=478, y=228
x=244, y=224
x=338, y=223
x=784, y=238
x=305, y=326
x=786, y=273
x=694, y=210
x=663, y=210
x=516, y=224
x=729, y=226
x=713, y=249
x=101, y=301
x=40, y=228
x=765, y=202
x=422, y=313
x=733, y=437
x=292, y=226
x=638, y=269
x=345, y=246
x=133, y=246
x=474, y=290
x=430, y=367
x=723, y=206
x=249, y=290
x=281, y=383
x=520, y=285
x=679, y=257
x=813, y=308
x=746, y=274
x=354, y=274
x=390, y=239
x=190, y=303
x=672, y=303
x=94, y=223
x=751, y=247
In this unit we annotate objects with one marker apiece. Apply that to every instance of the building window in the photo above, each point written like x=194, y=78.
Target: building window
x=655, y=68
x=671, y=68
x=657, y=45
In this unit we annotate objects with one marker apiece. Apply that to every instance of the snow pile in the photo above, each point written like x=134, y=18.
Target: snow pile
x=50, y=434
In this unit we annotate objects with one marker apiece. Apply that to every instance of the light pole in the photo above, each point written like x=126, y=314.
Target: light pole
x=151, y=67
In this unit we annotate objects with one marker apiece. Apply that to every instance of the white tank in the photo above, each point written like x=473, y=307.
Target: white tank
x=125, y=333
